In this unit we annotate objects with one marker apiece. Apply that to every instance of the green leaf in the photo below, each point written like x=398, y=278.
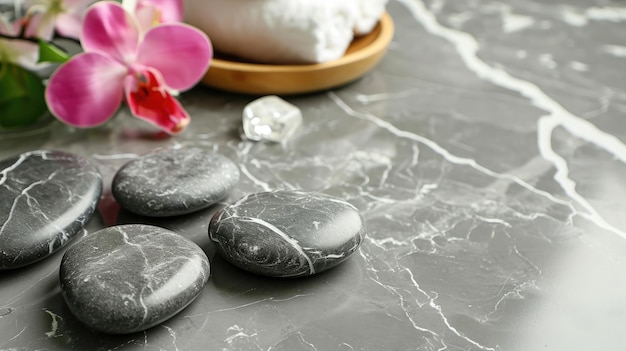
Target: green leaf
x=9, y=87
x=49, y=52
x=22, y=100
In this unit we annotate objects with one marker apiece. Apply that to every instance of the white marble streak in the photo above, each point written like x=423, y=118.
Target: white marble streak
x=579, y=18
x=239, y=334
x=301, y=337
x=494, y=220
x=516, y=292
x=347, y=345
x=454, y=330
x=232, y=308
x=610, y=14
x=467, y=47
x=172, y=333
x=15, y=336
x=368, y=99
x=431, y=303
x=242, y=306
x=545, y=130
x=265, y=186
x=447, y=155
x=615, y=50
x=526, y=259
x=511, y=22
x=54, y=324
x=243, y=151
x=115, y=156
x=239, y=337
x=395, y=292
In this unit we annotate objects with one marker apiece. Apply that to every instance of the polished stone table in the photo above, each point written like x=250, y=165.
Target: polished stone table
x=486, y=153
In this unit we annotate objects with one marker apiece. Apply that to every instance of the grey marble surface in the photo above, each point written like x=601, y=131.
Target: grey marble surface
x=486, y=154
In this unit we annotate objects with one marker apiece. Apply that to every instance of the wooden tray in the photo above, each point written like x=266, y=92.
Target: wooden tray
x=261, y=79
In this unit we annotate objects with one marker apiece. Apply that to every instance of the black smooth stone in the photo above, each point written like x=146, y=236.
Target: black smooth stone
x=46, y=197
x=287, y=233
x=171, y=182
x=129, y=278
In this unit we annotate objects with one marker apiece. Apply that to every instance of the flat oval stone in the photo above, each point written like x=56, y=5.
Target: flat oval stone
x=287, y=233
x=129, y=278
x=46, y=197
x=171, y=182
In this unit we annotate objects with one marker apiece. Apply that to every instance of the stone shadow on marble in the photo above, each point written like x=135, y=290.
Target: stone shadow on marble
x=230, y=279
x=37, y=268
x=71, y=333
x=33, y=269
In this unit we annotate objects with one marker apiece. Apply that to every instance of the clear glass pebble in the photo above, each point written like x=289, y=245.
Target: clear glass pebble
x=270, y=118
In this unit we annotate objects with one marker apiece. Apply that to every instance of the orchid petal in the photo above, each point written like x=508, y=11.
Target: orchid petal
x=86, y=90
x=180, y=52
x=170, y=10
x=40, y=25
x=109, y=29
x=21, y=52
x=69, y=25
x=147, y=17
x=148, y=99
x=7, y=28
x=73, y=6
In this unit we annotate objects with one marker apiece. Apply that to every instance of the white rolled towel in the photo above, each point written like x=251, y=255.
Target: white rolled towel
x=284, y=31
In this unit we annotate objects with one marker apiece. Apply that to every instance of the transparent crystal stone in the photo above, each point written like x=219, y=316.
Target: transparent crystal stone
x=270, y=118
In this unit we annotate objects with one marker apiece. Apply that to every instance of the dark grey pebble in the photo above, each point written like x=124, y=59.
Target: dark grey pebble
x=287, y=233
x=132, y=277
x=46, y=197
x=171, y=182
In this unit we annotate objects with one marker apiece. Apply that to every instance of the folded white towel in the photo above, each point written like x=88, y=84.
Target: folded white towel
x=367, y=13
x=284, y=31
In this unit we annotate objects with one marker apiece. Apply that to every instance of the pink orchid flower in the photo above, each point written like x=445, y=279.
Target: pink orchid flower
x=44, y=16
x=118, y=60
x=19, y=52
x=151, y=13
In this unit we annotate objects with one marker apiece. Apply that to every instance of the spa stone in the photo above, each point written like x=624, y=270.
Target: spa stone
x=129, y=278
x=46, y=197
x=171, y=182
x=287, y=233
